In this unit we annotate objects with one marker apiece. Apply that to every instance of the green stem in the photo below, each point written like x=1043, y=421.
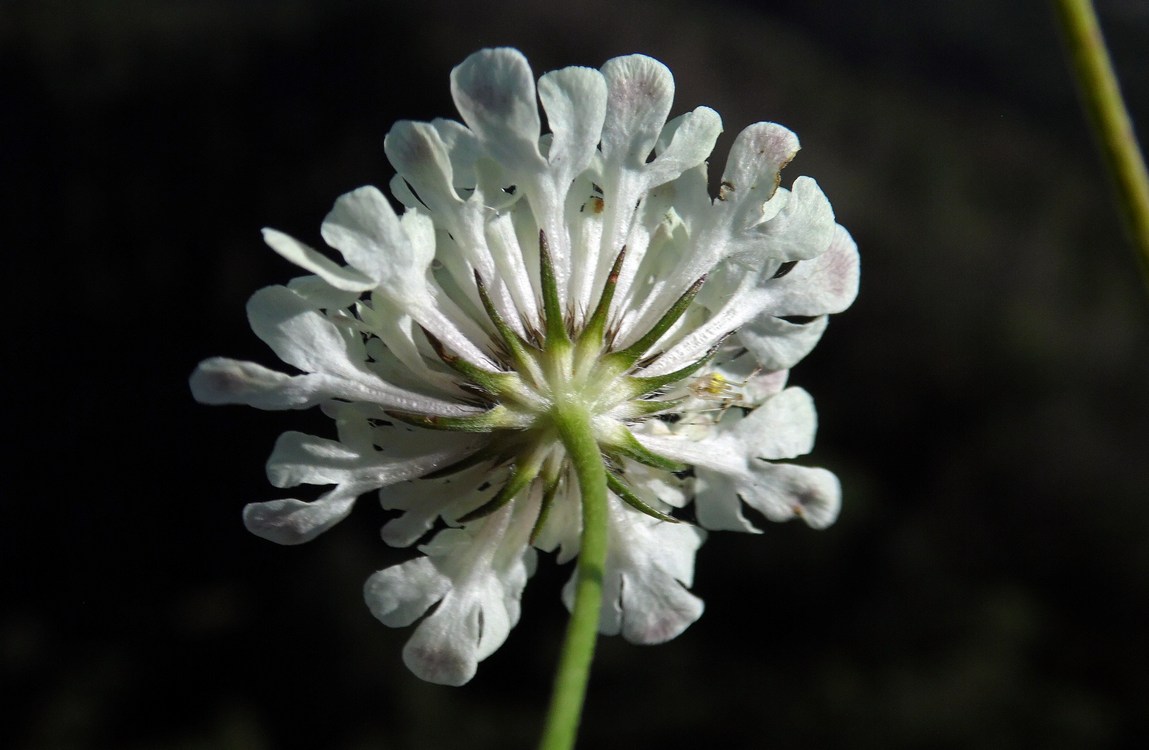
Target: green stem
x=573, y=422
x=1106, y=108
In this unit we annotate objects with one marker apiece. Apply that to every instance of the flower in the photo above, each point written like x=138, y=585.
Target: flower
x=586, y=265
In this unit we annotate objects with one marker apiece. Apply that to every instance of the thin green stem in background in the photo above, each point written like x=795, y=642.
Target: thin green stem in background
x=573, y=422
x=1106, y=108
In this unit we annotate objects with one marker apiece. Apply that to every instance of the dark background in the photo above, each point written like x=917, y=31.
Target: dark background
x=985, y=401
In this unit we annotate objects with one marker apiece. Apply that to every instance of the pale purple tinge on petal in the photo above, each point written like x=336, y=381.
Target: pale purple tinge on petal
x=639, y=94
x=825, y=285
x=494, y=91
x=220, y=381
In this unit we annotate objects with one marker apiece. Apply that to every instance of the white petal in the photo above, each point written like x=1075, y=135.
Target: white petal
x=476, y=575
x=397, y=254
x=782, y=491
x=778, y=344
x=563, y=528
x=640, y=90
x=783, y=427
x=802, y=229
x=494, y=91
x=690, y=146
x=403, y=192
x=307, y=339
x=444, y=648
x=753, y=168
x=418, y=153
x=424, y=501
x=346, y=279
x=299, y=334
x=729, y=465
x=291, y=521
x=306, y=459
x=228, y=381
x=365, y=228
x=575, y=102
x=650, y=564
x=717, y=505
x=821, y=286
x=401, y=594
x=321, y=295
x=464, y=149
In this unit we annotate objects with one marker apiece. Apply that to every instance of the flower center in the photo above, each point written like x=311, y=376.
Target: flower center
x=551, y=375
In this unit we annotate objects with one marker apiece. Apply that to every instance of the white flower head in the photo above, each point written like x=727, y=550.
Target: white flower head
x=591, y=264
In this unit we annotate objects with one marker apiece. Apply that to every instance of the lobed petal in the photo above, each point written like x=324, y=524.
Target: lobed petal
x=476, y=575
x=802, y=228
x=365, y=229
x=575, y=102
x=418, y=153
x=640, y=91
x=494, y=91
x=299, y=334
x=693, y=140
x=425, y=501
x=307, y=339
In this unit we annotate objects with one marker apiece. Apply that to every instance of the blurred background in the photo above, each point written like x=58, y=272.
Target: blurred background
x=984, y=402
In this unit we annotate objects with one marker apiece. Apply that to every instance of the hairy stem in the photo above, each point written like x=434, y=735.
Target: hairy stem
x=569, y=693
